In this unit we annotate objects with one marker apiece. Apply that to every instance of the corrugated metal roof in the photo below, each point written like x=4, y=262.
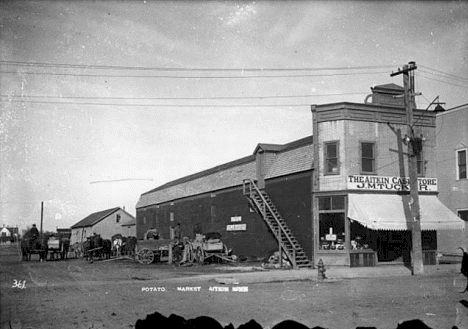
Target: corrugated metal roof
x=94, y=218
x=294, y=157
x=204, y=173
x=229, y=177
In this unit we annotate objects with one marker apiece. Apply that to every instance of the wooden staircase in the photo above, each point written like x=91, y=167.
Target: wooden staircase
x=288, y=244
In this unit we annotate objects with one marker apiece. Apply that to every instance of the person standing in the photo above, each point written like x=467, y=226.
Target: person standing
x=197, y=230
x=177, y=234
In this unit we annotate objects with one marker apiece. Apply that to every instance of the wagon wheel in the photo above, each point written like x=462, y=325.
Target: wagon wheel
x=190, y=253
x=200, y=255
x=145, y=256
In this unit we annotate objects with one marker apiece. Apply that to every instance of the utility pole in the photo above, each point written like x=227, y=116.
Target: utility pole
x=414, y=148
x=42, y=216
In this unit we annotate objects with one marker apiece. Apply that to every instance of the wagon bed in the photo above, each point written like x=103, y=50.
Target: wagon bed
x=149, y=251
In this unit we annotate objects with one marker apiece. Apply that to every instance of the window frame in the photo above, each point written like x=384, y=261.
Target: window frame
x=117, y=218
x=333, y=210
x=459, y=211
x=361, y=157
x=420, y=164
x=326, y=158
x=457, y=163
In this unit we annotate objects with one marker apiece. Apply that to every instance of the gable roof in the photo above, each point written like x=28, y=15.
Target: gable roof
x=293, y=157
x=95, y=218
x=268, y=147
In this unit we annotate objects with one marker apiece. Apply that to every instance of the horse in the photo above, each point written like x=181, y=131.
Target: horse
x=65, y=248
x=77, y=249
x=106, y=248
x=95, y=247
x=129, y=246
x=33, y=245
x=117, y=242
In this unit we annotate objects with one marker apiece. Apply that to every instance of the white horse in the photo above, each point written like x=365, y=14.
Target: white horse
x=117, y=245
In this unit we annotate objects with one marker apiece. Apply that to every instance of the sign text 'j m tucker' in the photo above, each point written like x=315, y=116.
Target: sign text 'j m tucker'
x=395, y=183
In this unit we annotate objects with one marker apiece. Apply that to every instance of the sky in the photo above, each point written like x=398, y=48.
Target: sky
x=102, y=101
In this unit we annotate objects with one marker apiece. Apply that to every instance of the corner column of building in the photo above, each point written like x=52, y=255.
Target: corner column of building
x=314, y=184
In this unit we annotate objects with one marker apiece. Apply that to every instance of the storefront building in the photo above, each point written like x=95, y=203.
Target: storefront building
x=361, y=201
x=341, y=195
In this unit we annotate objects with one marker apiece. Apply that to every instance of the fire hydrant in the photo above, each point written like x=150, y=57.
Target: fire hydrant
x=321, y=270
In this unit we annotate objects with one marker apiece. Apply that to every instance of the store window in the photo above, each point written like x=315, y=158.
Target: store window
x=331, y=158
x=367, y=158
x=332, y=227
x=461, y=164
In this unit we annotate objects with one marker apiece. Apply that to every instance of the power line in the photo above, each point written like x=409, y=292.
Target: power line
x=178, y=98
x=451, y=75
x=190, y=77
x=159, y=105
x=452, y=84
x=147, y=68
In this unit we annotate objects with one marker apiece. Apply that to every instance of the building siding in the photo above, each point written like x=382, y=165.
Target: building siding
x=291, y=195
x=255, y=241
x=452, y=135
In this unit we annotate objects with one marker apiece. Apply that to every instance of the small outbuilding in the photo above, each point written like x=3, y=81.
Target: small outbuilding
x=106, y=223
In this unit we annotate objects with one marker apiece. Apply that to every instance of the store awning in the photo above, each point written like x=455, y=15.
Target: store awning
x=387, y=212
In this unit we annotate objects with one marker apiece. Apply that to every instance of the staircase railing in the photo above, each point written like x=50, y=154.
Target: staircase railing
x=249, y=189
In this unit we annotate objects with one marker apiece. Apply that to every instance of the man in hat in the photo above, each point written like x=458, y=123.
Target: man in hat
x=34, y=233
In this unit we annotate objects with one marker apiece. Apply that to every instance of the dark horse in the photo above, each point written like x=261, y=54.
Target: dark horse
x=93, y=247
x=33, y=245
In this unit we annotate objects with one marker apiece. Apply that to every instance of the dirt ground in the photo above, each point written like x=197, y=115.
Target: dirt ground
x=115, y=294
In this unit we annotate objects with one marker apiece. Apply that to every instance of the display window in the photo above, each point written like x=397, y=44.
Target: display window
x=332, y=223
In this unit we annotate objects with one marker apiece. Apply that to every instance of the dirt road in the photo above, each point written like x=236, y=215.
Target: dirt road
x=75, y=294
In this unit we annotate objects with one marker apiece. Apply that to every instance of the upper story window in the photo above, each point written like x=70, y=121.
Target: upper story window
x=463, y=214
x=368, y=158
x=117, y=218
x=331, y=158
x=461, y=164
x=420, y=163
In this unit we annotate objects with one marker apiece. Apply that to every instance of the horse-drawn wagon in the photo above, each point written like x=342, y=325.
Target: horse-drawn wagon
x=207, y=247
x=58, y=247
x=149, y=251
x=203, y=248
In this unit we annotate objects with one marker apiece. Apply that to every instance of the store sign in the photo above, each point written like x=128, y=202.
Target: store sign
x=386, y=183
x=237, y=227
x=330, y=237
x=236, y=219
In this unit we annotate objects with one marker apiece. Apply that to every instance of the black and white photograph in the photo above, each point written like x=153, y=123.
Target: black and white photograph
x=233, y=164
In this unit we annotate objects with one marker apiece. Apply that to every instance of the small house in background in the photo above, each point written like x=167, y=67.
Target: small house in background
x=8, y=234
x=106, y=223
x=64, y=232
x=129, y=228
